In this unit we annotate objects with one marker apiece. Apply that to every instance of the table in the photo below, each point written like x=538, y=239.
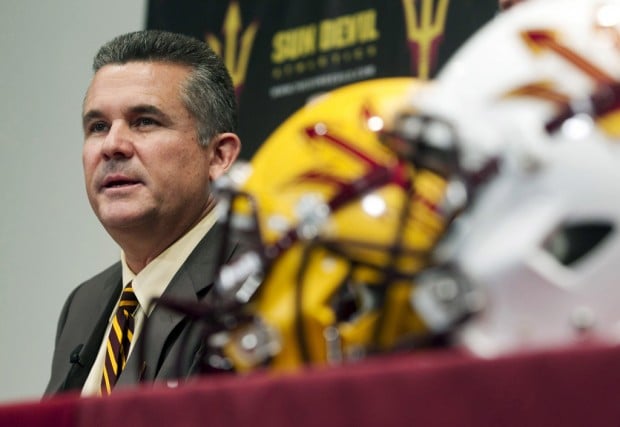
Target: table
x=570, y=387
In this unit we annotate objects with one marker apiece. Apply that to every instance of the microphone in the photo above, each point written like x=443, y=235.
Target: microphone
x=74, y=357
x=75, y=361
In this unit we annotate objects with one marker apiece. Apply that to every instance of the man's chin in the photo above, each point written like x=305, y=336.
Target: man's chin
x=124, y=221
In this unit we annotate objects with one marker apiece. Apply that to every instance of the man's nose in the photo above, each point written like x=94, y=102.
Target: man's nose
x=118, y=142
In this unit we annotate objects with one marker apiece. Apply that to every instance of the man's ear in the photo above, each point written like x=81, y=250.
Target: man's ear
x=226, y=147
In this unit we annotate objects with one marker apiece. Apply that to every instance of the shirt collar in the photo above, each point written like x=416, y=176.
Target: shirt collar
x=152, y=280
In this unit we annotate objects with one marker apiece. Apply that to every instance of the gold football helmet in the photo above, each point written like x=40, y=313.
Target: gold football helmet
x=341, y=208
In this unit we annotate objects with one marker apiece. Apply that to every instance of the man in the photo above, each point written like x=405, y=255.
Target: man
x=159, y=120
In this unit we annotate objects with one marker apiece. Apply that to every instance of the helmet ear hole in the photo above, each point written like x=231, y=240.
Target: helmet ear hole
x=572, y=242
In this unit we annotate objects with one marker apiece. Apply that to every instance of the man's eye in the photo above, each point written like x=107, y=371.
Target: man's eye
x=145, y=121
x=98, y=127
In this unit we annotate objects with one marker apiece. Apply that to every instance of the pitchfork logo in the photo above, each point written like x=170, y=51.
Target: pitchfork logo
x=601, y=101
x=425, y=23
x=237, y=45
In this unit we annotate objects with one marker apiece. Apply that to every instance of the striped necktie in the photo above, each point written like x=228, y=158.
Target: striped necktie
x=119, y=340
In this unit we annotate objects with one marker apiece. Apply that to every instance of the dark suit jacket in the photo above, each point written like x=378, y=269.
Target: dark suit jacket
x=171, y=343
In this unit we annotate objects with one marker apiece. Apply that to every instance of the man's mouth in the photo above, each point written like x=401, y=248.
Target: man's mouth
x=118, y=182
x=115, y=184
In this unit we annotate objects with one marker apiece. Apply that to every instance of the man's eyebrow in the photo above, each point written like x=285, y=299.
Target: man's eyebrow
x=90, y=115
x=147, y=109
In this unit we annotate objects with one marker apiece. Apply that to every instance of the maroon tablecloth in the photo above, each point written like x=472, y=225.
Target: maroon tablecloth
x=576, y=387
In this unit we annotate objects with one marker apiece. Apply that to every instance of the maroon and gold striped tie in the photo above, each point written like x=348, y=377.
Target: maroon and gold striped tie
x=119, y=340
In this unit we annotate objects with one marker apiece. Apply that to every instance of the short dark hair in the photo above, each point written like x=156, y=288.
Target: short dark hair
x=208, y=93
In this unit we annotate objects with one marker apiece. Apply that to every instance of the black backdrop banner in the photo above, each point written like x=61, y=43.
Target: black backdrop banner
x=282, y=52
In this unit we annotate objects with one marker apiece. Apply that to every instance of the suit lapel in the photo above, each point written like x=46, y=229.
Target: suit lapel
x=154, y=346
x=90, y=307
x=145, y=358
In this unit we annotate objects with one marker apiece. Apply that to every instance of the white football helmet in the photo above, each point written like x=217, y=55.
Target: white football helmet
x=537, y=251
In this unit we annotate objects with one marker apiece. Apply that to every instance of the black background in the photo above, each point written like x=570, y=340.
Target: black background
x=259, y=114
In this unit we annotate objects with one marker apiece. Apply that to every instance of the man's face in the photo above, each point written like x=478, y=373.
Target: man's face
x=143, y=166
